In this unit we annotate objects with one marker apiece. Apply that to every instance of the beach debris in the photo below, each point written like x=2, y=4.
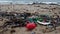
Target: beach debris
x=44, y=20
x=43, y=23
x=30, y=26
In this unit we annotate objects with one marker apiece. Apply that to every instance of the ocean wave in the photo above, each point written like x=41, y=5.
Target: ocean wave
x=50, y=2
x=25, y=2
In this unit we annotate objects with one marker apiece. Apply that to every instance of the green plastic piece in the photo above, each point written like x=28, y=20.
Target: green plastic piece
x=30, y=19
x=40, y=19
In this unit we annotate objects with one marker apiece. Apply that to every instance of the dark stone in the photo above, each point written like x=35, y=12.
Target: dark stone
x=12, y=31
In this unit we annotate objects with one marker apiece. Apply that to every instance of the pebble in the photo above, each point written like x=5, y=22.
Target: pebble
x=33, y=33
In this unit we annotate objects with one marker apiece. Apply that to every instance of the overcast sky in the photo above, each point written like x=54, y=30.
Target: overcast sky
x=35, y=0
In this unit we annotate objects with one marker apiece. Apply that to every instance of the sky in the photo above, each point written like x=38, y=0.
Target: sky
x=35, y=0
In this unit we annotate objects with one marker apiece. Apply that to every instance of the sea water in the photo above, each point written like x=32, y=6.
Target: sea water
x=28, y=1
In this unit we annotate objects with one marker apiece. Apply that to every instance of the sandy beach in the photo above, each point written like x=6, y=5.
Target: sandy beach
x=40, y=8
